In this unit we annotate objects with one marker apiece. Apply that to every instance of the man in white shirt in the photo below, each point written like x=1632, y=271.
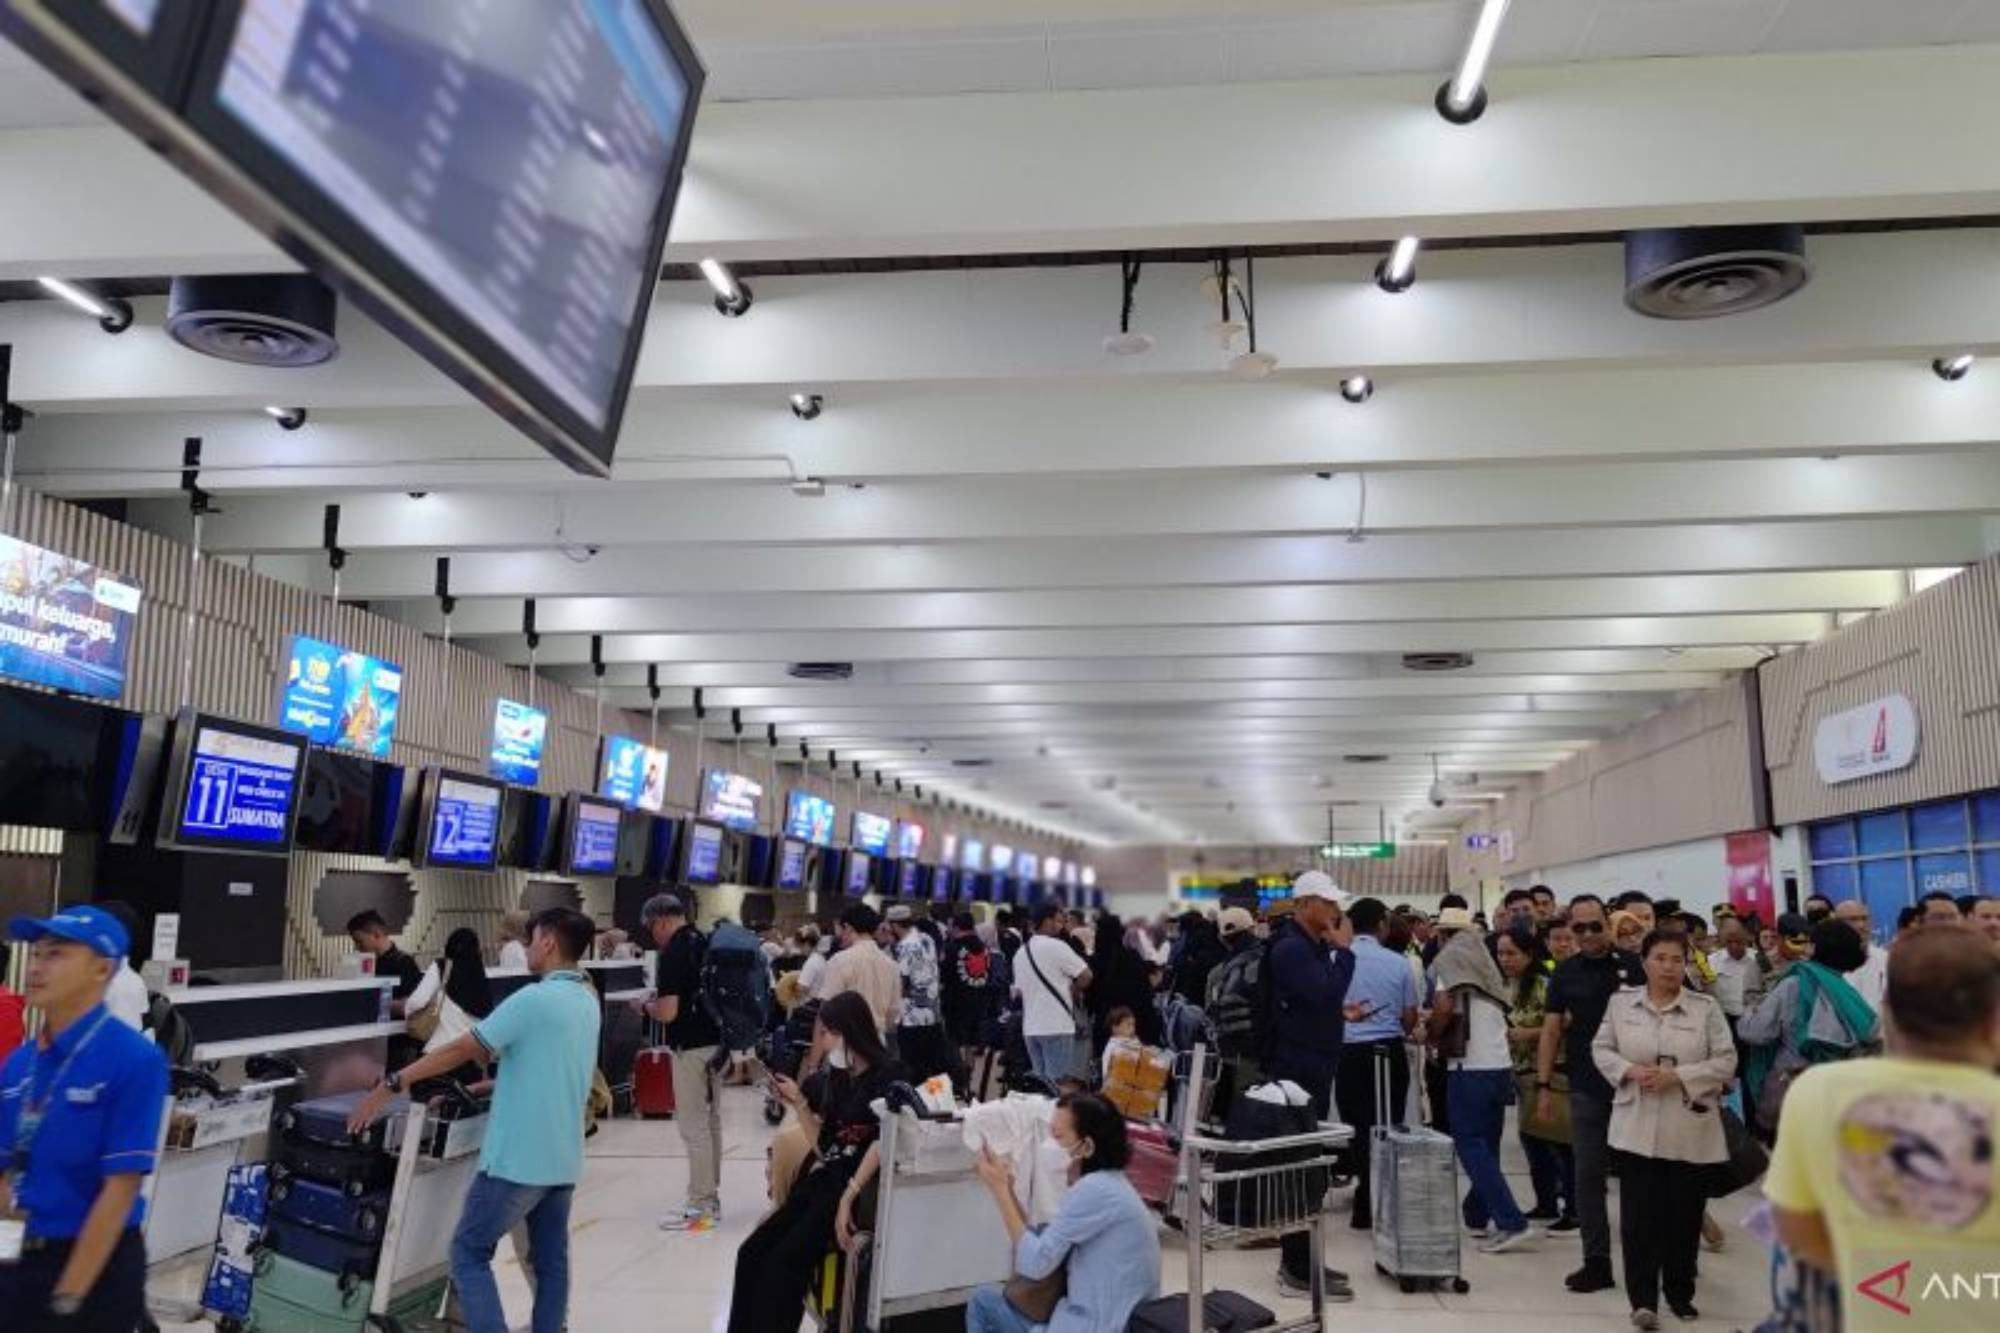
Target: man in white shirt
x=126, y=996
x=1738, y=971
x=1048, y=974
x=1872, y=977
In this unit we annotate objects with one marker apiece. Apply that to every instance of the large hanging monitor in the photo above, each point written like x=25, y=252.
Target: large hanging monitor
x=492, y=181
x=231, y=787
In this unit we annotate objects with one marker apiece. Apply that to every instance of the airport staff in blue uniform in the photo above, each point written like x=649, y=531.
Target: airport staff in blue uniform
x=80, y=1112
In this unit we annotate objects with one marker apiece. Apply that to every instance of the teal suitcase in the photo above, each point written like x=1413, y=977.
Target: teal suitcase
x=291, y=1297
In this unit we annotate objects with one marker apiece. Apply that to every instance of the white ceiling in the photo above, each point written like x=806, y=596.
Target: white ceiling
x=1114, y=596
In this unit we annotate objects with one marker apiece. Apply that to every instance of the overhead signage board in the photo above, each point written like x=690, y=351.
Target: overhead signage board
x=731, y=799
x=634, y=775
x=340, y=698
x=465, y=824
x=1880, y=736
x=809, y=818
x=1359, y=851
x=519, y=735
x=64, y=625
x=241, y=788
x=909, y=840
x=871, y=833
x=1481, y=842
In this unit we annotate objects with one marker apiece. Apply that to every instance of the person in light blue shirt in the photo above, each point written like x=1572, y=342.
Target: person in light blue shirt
x=1382, y=1002
x=545, y=1037
x=1101, y=1231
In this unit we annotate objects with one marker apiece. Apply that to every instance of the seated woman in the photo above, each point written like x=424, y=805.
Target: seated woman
x=775, y=1265
x=1101, y=1231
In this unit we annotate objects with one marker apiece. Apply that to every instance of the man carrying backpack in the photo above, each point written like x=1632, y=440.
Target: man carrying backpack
x=736, y=987
x=695, y=1039
x=1306, y=974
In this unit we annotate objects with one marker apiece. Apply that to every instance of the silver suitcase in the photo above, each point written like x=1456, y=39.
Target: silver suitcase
x=1415, y=1199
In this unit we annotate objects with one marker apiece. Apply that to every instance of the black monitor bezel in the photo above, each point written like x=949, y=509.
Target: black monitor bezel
x=284, y=205
x=420, y=849
x=180, y=769
x=573, y=803
x=687, y=849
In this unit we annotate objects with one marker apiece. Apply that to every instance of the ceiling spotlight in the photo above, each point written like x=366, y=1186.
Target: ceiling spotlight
x=1357, y=388
x=112, y=314
x=1462, y=99
x=288, y=418
x=1399, y=270
x=1951, y=369
x=808, y=406
x=732, y=298
x=1125, y=342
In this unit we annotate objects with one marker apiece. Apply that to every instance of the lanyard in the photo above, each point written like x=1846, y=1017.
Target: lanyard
x=33, y=1112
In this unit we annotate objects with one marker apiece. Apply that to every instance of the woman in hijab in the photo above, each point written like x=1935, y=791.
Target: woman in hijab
x=1119, y=978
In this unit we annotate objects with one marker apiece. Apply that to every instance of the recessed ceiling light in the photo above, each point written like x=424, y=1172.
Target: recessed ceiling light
x=288, y=418
x=808, y=406
x=1462, y=99
x=1357, y=388
x=1399, y=270
x=112, y=314
x=732, y=298
x=1951, y=369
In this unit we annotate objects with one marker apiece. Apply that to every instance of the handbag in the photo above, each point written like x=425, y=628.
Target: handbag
x=1079, y=1020
x=1556, y=1128
x=1036, y=1298
x=1747, y=1158
x=422, y=1025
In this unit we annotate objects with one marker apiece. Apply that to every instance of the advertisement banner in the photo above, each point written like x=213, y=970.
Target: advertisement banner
x=519, y=732
x=809, y=818
x=1748, y=856
x=64, y=624
x=731, y=799
x=1878, y=737
x=337, y=697
x=871, y=833
x=635, y=775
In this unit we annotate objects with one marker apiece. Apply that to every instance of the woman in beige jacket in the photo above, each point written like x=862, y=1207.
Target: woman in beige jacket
x=1668, y=1055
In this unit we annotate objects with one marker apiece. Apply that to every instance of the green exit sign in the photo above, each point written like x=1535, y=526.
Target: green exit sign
x=1358, y=851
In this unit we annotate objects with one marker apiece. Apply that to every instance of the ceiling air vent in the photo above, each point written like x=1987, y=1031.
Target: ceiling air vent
x=821, y=671
x=1705, y=272
x=279, y=320
x=1364, y=759
x=972, y=763
x=1436, y=661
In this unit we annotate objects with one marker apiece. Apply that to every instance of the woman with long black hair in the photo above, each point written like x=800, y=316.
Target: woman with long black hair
x=1120, y=978
x=775, y=1264
x=455, y=988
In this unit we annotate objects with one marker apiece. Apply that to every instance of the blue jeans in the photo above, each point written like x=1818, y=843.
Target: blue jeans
x=988, y=1312
x=1053, y=1057
x=1478, y=1099
x=492, y=1208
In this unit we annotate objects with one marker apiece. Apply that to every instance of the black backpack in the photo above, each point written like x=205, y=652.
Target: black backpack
x=170, y=1030
x=1239, y=1004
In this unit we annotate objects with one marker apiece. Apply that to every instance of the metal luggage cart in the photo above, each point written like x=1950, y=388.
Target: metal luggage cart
x=1232, y=1194
x=435, y=1163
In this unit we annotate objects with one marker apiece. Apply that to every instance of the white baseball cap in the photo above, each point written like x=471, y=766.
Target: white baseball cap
x=1319, y=884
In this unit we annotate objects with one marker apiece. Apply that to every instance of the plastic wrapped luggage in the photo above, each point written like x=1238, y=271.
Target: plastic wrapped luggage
x=653, y=1083
x=1154, y=1165
x=1136, y=1080
x=338, y=1255
x=1416, y=1199
x=231, y=1272
x=329, y=1208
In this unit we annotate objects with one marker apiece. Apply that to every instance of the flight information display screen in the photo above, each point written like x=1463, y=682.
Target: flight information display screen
x=465, y=824
x=240, y=789
x=508, y=169
x=593, y=838
x=704, y=861
x=792, y=865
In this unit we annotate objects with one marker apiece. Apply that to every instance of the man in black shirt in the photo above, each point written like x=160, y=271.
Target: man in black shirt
x=694, y=1038
x=370, y=934
x=1579, y=992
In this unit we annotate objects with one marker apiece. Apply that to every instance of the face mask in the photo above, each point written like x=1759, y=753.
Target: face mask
x=837, y=1057
x=1077, y=1151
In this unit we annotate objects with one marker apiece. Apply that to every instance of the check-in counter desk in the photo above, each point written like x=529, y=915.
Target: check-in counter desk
x=619, y=982
x=336, y=1032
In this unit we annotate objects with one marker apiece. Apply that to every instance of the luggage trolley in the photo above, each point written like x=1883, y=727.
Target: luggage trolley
x=1234, y=1192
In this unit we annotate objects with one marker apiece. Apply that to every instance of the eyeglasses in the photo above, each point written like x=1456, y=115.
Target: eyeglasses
x=1586, y=927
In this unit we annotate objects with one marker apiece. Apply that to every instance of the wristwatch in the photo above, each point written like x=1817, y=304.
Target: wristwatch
x=393, y=1082
x=63, y=1305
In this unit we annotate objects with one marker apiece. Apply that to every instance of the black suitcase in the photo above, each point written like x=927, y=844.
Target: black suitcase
x=1272, y=1197
x=328, y=1208
x=323, y=1120
x=318, y=1249
x=354, y=1171
x=1221, y=1312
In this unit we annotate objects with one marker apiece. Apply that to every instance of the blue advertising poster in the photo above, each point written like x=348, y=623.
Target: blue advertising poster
x=240, y=789
x=871, y=833
x=1024, y=866
x=858, y=867
x=634, y=775
x=906, y=879
x=519, y=732
x=792, y=868
x=974, y=854
x=909, y=840
x=809, y=818
x=704, y=853
x=593, y=839
x=465, y=825
x=730, y=799
x=340, y=698
x=64, y=624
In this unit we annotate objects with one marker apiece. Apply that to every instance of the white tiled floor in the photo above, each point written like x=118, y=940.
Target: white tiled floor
x=627, y=1275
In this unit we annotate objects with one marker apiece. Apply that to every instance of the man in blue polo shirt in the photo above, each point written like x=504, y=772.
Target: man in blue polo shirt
x=1383, y=1000
x=545, y=1037
x=80, y=1116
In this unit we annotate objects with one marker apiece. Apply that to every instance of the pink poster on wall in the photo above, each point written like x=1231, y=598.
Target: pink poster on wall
x=1750, y=891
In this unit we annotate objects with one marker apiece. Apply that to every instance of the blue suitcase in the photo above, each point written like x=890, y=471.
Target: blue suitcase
x=323, y=1120
x=330, y=1208
x=245, y=1203
x=337, y=1255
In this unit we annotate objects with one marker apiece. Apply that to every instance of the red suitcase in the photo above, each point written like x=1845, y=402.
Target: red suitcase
x=653, y=1083
x=1154, y=1164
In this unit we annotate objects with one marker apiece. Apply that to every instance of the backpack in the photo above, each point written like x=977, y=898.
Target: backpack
x=1239, y=1004
x=171, y=1030
x=735, y=986
x=1183, y=1026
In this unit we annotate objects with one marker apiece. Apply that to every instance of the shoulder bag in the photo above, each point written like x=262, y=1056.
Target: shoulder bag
x=1036, y=1298
x=1076, y=1017
x=422, y=1024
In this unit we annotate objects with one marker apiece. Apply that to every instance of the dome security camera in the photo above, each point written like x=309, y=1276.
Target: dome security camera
x=1437, y=795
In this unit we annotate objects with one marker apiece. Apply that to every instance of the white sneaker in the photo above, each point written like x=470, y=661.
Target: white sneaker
x=1509, y=1240
x=691, y=1220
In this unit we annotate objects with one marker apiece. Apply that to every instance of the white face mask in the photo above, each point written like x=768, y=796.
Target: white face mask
x=837, y=1057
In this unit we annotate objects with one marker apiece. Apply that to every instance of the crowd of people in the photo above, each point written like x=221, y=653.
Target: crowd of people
x=1631, y=1040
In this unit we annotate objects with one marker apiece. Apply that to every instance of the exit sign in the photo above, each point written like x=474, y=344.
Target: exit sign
x=1358, y=851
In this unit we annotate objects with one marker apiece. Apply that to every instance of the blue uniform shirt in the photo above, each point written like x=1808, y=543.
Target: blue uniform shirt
x=1384, y=983
x=101, y=1118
